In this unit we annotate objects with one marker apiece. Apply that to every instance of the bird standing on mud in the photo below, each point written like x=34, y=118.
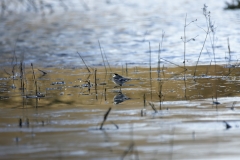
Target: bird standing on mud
x=119, y=80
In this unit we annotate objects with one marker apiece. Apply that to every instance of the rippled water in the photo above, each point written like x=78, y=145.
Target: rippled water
x=124, y=29
x=63, y=120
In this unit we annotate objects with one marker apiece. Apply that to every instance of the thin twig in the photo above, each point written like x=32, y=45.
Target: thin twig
x=102, y=56
x=153, y=107
x=107, y=61
x=105, y=118
x=35, y=82
x=84, y=62
x=95, y=79
x=150, y=68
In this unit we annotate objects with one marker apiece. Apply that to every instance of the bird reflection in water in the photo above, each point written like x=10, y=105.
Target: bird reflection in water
x=119, y=98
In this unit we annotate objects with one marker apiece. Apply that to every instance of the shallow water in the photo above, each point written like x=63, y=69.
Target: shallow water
x=64, y=121
x=124, y=30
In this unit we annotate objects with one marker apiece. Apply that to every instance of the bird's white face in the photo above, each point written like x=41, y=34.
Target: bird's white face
x=114, y=75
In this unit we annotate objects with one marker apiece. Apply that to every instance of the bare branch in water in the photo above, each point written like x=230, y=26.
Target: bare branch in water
x=44, y=73
x=153, y=107
x=105, y=117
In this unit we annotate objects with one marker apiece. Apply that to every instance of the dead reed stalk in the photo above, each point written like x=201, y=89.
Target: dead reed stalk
x=150, y=68
x=102, y=56
x=84, y=62
x=105, y=118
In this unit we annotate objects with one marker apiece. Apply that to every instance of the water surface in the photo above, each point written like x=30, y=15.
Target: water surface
x=64, y=120
x=55, y=108
x=124, y=30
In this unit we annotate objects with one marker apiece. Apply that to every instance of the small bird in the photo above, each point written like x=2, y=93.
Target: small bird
x=119, y=80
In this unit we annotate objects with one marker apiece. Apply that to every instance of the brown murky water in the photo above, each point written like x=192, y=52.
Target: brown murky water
x=64, y=121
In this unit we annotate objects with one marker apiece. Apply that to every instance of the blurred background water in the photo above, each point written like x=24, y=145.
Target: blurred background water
x=52, y=35
x=58, y=114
